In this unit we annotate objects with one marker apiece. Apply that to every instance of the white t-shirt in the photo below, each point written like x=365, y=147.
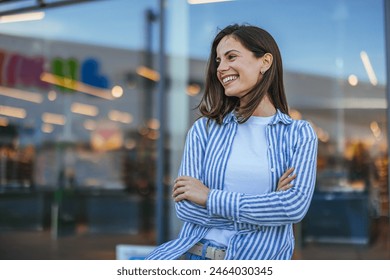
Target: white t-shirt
x=247, y=168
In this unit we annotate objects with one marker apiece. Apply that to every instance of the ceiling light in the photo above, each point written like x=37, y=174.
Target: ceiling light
x=369, y=69
x=47, y=128
x=13, y=112
x=53, y=118
x=119, y=116
x=148, y=73
x=117, y=91
x=193, y=89
x=21, y=94
x=22, y=17
x=84, y=109
x=52, y=95
x=353, y=80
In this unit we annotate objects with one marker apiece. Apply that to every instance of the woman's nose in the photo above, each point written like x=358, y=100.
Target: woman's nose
x=222, y=66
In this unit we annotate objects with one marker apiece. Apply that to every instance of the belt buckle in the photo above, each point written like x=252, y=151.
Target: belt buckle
x=216, y=253
x=213, y=252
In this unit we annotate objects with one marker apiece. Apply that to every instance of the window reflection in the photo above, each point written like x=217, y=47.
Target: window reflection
x=78, y=115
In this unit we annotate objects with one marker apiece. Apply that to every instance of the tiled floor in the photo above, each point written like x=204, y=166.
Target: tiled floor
x=16, y=245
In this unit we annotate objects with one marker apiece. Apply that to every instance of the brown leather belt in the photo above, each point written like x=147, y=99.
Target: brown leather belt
x=211, y=252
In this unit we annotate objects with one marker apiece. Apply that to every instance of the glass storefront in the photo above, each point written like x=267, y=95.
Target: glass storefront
x=78, y=125
x=80, y=108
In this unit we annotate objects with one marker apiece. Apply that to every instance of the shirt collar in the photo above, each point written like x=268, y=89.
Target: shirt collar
x=230, y=117
x=279, y=117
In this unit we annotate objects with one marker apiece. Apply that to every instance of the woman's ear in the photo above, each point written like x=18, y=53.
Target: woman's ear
x=267, y=60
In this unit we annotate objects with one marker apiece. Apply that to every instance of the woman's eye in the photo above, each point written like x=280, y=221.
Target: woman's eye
x=231, y=57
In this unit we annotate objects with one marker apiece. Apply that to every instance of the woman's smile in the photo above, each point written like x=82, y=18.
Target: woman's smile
x=226, y=80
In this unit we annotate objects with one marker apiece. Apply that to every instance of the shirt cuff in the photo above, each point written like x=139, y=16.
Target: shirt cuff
x=224, y=204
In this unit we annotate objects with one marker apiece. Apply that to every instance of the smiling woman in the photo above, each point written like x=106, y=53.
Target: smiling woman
x=244, y=117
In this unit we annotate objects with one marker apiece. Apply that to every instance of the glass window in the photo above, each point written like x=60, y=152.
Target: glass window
x=78, y=108
x=77, y=113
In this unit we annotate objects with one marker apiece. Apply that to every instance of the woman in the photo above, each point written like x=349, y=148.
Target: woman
x=236, y=192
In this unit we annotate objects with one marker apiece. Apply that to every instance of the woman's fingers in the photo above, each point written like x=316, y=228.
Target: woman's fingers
x=287, y=173
x=286, y=179
x=189, y=188
x=286, y=184
x=178, y=189
x=284, y=188
x=181, y=188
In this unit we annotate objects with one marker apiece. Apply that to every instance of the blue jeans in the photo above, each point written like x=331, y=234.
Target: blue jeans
x=206, y=243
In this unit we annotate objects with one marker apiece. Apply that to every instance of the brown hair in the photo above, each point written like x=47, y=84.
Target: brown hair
x=216, y=105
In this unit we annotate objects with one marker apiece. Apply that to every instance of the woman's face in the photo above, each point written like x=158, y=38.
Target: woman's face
x=238, y=69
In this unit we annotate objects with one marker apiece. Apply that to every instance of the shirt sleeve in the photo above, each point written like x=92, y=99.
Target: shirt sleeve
x=191, y=165
x=275, y=208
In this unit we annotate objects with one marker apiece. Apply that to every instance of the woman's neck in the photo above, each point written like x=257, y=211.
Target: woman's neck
x=265, y=108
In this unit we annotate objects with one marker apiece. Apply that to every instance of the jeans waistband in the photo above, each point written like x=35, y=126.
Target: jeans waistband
x=207, y=250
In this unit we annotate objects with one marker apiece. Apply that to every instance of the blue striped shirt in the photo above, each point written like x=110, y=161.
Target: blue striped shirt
x=263, y=222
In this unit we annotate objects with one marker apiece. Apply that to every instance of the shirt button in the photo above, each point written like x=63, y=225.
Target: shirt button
x=272, y=169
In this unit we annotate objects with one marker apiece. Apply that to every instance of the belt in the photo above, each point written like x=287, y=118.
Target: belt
x=211, y=252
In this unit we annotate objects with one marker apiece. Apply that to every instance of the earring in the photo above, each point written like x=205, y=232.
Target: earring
x=262, y=72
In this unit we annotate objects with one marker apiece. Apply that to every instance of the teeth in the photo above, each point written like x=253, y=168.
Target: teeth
x=230, y=78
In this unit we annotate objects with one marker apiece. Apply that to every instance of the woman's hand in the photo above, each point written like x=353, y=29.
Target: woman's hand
x=189, y=188
x=285, y=181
